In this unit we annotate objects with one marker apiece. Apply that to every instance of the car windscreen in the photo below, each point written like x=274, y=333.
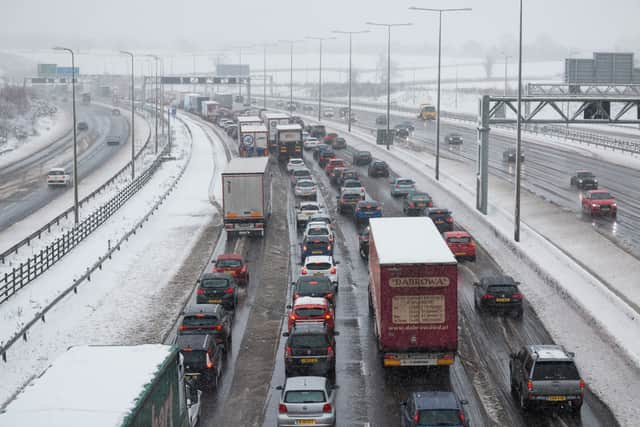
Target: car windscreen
x=228, y=263
x=304, y=396
x=315, y=285
x=56, y=172
x=601, y=196
x=404, y=182
x=318, y=266
x=305, y=183
x=352, y=183
x=301, y=172
x=194, y=359
x=379, y=164
x=320, y=231
x=419, y=198
x=199, y=321
x=458, y=239
x=429, y=109
x=439, y=417
x=555, y=370
x=309, y=312
x=308, y=341
x=214, y=283
x=439, y=215
x=351, y=196
x=308, y=208
x=368, y=207
x=502, y=289
x=585, y=175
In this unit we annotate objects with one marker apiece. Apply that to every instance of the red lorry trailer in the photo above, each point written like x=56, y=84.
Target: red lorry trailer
x=413, y=292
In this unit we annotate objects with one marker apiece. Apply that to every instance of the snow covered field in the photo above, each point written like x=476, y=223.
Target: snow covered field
x=121, y=303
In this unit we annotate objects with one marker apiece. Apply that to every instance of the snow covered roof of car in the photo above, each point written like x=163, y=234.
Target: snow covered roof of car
x=94, y=386
x=247, y=165
x=409, y=241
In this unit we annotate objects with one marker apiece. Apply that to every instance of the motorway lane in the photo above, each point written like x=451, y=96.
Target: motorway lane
x=23, y=189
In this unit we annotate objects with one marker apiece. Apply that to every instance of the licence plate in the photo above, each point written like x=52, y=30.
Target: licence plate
x=215, y=301
x=318, y=274
x=309, y=360
x=305, y=422
x=195, y=375
x=230, y=271
x=421, y=205
x=439, y=221
x=460, y=253
x=503, y=299
x=316, y=252
x=557, y=398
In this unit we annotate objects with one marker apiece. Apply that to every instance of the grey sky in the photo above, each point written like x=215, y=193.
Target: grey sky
x=588, y=24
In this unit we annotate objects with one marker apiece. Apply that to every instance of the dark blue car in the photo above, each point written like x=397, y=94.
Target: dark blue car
x=366, y=209
x=433, y=408
x=316, y=245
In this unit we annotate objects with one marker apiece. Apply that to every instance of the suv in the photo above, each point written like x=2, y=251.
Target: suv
x=217, y=288
x=310, y=349
x=441, y=218
x=313, y=286
x=415, y=203
x=307, y=400
x=433, y=408
x=348, y=201
x=378, y=168
x=546, y=375
x=202, y=359
x=234, y=265
x=499, y=293
x=584, y=180
x=321, y=265
x=212, y=319
x=361, y=158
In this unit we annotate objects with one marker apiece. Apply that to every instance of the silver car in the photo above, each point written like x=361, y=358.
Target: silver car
x=307, y=401
x=306, y=189
x=402, y=186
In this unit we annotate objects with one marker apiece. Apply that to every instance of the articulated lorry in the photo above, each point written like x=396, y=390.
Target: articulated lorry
x=105, y=386
x=289, y=142
x=246, y=196
x=413, y=292
x=253, y=140
x=271, y=121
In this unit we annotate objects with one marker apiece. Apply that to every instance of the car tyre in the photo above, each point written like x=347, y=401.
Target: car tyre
x=518, y=314
x=524, y=403
x=575, y=407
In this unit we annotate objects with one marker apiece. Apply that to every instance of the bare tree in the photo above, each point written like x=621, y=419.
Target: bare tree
x=489, y=60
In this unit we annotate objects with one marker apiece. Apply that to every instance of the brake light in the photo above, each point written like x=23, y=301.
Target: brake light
x=472, y=244
x=327, y=316
x=200, y=291
x=333, y=270
x=304, y=248
x=329, y=351
x=295, y=296
x=329, y=295
x=292, y=316
x=581, y=386
x=430, y=204
x=218, y=327
x=412, y=205
x=209, y=362
x=516, y=296
x=530, y=386
x=182, y=328
x=304, y=271
x=326, y=408
x=228, y=291
x=287, y=352
x=282, y=408
x=449, y=219
x=462, y=416
x=488, y=296
x=415, y=418
x=328, y=247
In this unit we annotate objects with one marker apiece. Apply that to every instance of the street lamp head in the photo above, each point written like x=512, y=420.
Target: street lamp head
x=427, y=9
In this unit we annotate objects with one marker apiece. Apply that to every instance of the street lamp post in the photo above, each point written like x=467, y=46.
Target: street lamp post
x=388, y=70
x=133, y=116
x=291, y=42
x=506, y=63
x=516, y=213
x=350, y=33
x=240, y=59
x=264, y=72
x=156, y=87
x=440, y=12
x=76, y=213
x=320, y=40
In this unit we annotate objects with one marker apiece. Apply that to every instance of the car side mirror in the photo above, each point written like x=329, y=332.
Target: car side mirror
x=464, y=402
x=335, y=333
x=336, y=262
x=289, y=306
x=279, y=387
x=285, y=334
x=571, y=354
x=335, y=386
x=476, y=283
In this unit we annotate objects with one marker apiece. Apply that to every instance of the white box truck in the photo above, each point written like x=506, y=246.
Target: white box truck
x=271, y=121
x=108, y=386
x=246, y=196
x=253, y=140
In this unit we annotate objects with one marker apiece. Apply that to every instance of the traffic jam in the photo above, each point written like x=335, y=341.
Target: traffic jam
x=412, y=253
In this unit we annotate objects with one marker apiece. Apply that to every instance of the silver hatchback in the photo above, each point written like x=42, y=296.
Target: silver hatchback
x=307, y=401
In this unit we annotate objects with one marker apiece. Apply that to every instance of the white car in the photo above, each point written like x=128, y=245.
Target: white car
x=318, y=229
x=307, y=400
x=305, y=211
x=295, y=164
x=352, y=186
x=300, y=174
x=310, y=143
x=328, y=112
x=321, y=265
x=306, y=189
x=58, y=176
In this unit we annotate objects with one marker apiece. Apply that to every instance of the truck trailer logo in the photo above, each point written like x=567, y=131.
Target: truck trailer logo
x=419, y=282
x=247, y=140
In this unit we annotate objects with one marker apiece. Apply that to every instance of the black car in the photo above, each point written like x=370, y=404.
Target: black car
x=212, y=319
x=381, y=120
x=361, y=158
x=363, y=243
x=315, y=245
x=340, y=143
x=378, y=168
x=217, y=288
x=584, y=180
x=498, y=294
x=509, y=155
x=310, y=350
x=454, y=139
x=83, y=126
x=348, y=201
x=403, y=133
x=405, y=125
x=313, y=286
x=433, y=408
x=415, y=203
x=347, y=174
x=441, y=218
x=202, y=359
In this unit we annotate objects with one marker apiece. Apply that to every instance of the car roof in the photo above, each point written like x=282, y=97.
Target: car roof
x=230, y=256
x=296, y=159
x=456, y=234
x=304, y=328
x=401, y=178
x=435, y=400
x=320, y=238
x=310, y=301
x=549, y=352
x=318, y=258
x=352, y=180
x=305, y=383
x=317, y=224
x=600, y=191
x=195, y=341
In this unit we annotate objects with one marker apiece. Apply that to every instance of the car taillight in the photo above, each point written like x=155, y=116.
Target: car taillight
x=329, y=351
x=333, y=270
x=182, y=328
x=328, y=247
x=200, y=291
x=292, y=316
x=530, y=386
x=326, y=408
x=449, y=220
x=416, y=417
x=209, y=362
x=472, y=244
x=282, y=408
x=412, y=205
x=287, y=352
x=487, y=296
x=461, y=416
x=296, y=296
x=516, y=296
x=218, y=327
x=328, y=316
x=228, y=291
x=328, y=295
x=582, y=386
x=304, y=271
x=304, y=248
x=430, y=204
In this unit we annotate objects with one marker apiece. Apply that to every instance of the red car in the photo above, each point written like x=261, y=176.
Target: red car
x=330, y=138
x=461, y=244
x=234, y=265
x=311, y=309
x=599, y=202
x=332, y=164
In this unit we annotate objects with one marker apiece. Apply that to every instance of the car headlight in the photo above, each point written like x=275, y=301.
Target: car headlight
x=595, y=181
x=614, y=205
x=580, y=180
